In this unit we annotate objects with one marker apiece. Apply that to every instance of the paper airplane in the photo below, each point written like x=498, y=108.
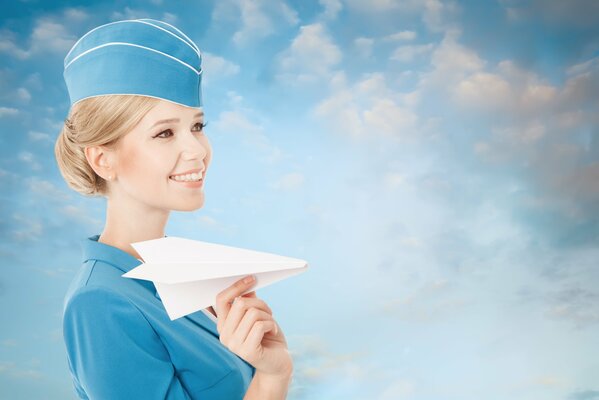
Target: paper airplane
x=188, y=274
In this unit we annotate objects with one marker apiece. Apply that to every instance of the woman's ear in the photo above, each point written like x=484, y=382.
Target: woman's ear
x=101, y=159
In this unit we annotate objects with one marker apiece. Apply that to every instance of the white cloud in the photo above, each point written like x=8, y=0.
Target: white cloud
x=576, y=13
x=129, y=13
x=76, y=15
x=216, y=67
x=409, y=53
x=9, y=342
x=8, y=45
x=34, y=81
x=30, y=159
x=523, y=135
x=23, y=95
x=81, y=215
x=369, y=107
x=543, y=131
x=401, y=36
x=8, y=111
x=451, y=61
x=582, y=85
x=46, y=190
x=132, y=13
x=252, y=134
x=483, y=88
x=288, y=182
x=234, y=97
x=50, y=34
x=393, y=179
x=315, y=362
x=14, y=371
x=364, y=46
x=400, y=389
x=576, y=305
x=310, y=57
x=583, y=67
x=257, y=19
x=386, y=116
x=331, y=8
x=234, y=122
x=170, y=18
x=376, y=6
x=39, y=137
x=29, y=229
x=437, y=15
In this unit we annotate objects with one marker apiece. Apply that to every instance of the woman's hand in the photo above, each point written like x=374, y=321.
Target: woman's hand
x=247, y=328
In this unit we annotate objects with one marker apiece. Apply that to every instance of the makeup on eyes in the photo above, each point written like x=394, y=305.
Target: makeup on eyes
x=166, y=130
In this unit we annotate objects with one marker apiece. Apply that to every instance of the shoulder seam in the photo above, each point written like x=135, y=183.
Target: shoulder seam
x=90, y=271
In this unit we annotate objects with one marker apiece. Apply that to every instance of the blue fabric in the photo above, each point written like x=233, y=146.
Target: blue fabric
x=121, y=344
x=139, y=56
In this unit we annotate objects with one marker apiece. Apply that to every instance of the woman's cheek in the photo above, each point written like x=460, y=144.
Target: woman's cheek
x=134, y=168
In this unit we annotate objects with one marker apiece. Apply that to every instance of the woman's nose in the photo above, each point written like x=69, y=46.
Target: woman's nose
x=193, y=148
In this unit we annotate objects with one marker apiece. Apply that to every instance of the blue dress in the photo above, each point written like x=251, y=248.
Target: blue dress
x=121, y=344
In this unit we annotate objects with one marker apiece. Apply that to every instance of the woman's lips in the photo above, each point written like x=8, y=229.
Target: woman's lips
x=190, y=184
x=197, y=171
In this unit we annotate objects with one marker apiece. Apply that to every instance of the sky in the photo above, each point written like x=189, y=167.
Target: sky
x=435, y=162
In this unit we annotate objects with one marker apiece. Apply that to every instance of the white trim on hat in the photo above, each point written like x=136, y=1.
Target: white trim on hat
x=194, y=47
x=138, y=94
x=135, y=45
x=191, y=42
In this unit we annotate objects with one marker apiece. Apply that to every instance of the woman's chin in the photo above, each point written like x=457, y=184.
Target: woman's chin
x=190, y=205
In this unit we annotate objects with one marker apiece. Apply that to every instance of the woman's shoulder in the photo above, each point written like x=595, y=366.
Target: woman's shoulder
x=97, y=298
x=99, y=310
x=99, y=281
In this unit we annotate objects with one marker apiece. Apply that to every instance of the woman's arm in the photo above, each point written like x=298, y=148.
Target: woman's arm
x=114, y=352
x=268, y=387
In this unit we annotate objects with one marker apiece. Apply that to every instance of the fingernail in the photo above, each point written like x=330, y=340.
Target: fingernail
x=248, y=279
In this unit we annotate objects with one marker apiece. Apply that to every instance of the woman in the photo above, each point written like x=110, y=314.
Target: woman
x=135, y=135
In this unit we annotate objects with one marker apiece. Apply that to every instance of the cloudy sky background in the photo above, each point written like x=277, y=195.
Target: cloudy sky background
x=435, y=162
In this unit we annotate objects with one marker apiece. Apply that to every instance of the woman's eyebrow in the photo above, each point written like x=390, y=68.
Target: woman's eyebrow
x=165, y=121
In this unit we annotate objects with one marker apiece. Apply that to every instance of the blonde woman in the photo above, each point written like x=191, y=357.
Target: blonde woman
x=135, y=135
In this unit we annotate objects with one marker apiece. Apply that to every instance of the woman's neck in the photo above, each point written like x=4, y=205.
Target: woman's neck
x=129, y=222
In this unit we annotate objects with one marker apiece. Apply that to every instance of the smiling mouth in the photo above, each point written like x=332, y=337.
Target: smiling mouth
x=186, y=178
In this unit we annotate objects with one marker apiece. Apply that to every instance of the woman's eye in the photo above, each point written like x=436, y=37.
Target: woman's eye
x=168, y=130
x=202, y=125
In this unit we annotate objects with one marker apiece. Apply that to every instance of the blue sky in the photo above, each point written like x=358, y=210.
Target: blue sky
x=435, y=162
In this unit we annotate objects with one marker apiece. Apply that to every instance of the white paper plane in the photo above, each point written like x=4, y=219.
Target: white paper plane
x=188, y=274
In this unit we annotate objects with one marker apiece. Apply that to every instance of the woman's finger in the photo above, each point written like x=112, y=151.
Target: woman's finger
x=256, y=334
x=252, y=302
x=226, y=297
x=237, y=312
x=239, y=323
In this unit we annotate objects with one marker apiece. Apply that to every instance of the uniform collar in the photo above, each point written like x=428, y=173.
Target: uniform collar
x=120, y=259
x=123, y=261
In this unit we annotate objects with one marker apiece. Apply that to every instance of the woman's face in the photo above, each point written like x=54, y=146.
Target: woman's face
x=154, y=151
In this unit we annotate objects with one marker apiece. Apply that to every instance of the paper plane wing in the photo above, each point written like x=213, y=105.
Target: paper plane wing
x=188, y=274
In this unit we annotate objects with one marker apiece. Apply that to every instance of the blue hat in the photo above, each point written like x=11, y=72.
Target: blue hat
x=138, y=56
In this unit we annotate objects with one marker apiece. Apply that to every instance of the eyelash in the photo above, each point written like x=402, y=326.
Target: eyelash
x=169, y=130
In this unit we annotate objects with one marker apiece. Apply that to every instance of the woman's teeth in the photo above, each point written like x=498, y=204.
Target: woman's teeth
x=186, y=178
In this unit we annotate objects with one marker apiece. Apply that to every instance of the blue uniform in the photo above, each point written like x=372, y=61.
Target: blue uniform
x=121, y=344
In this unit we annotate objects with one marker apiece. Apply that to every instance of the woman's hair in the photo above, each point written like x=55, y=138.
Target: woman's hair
x=96, y=121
